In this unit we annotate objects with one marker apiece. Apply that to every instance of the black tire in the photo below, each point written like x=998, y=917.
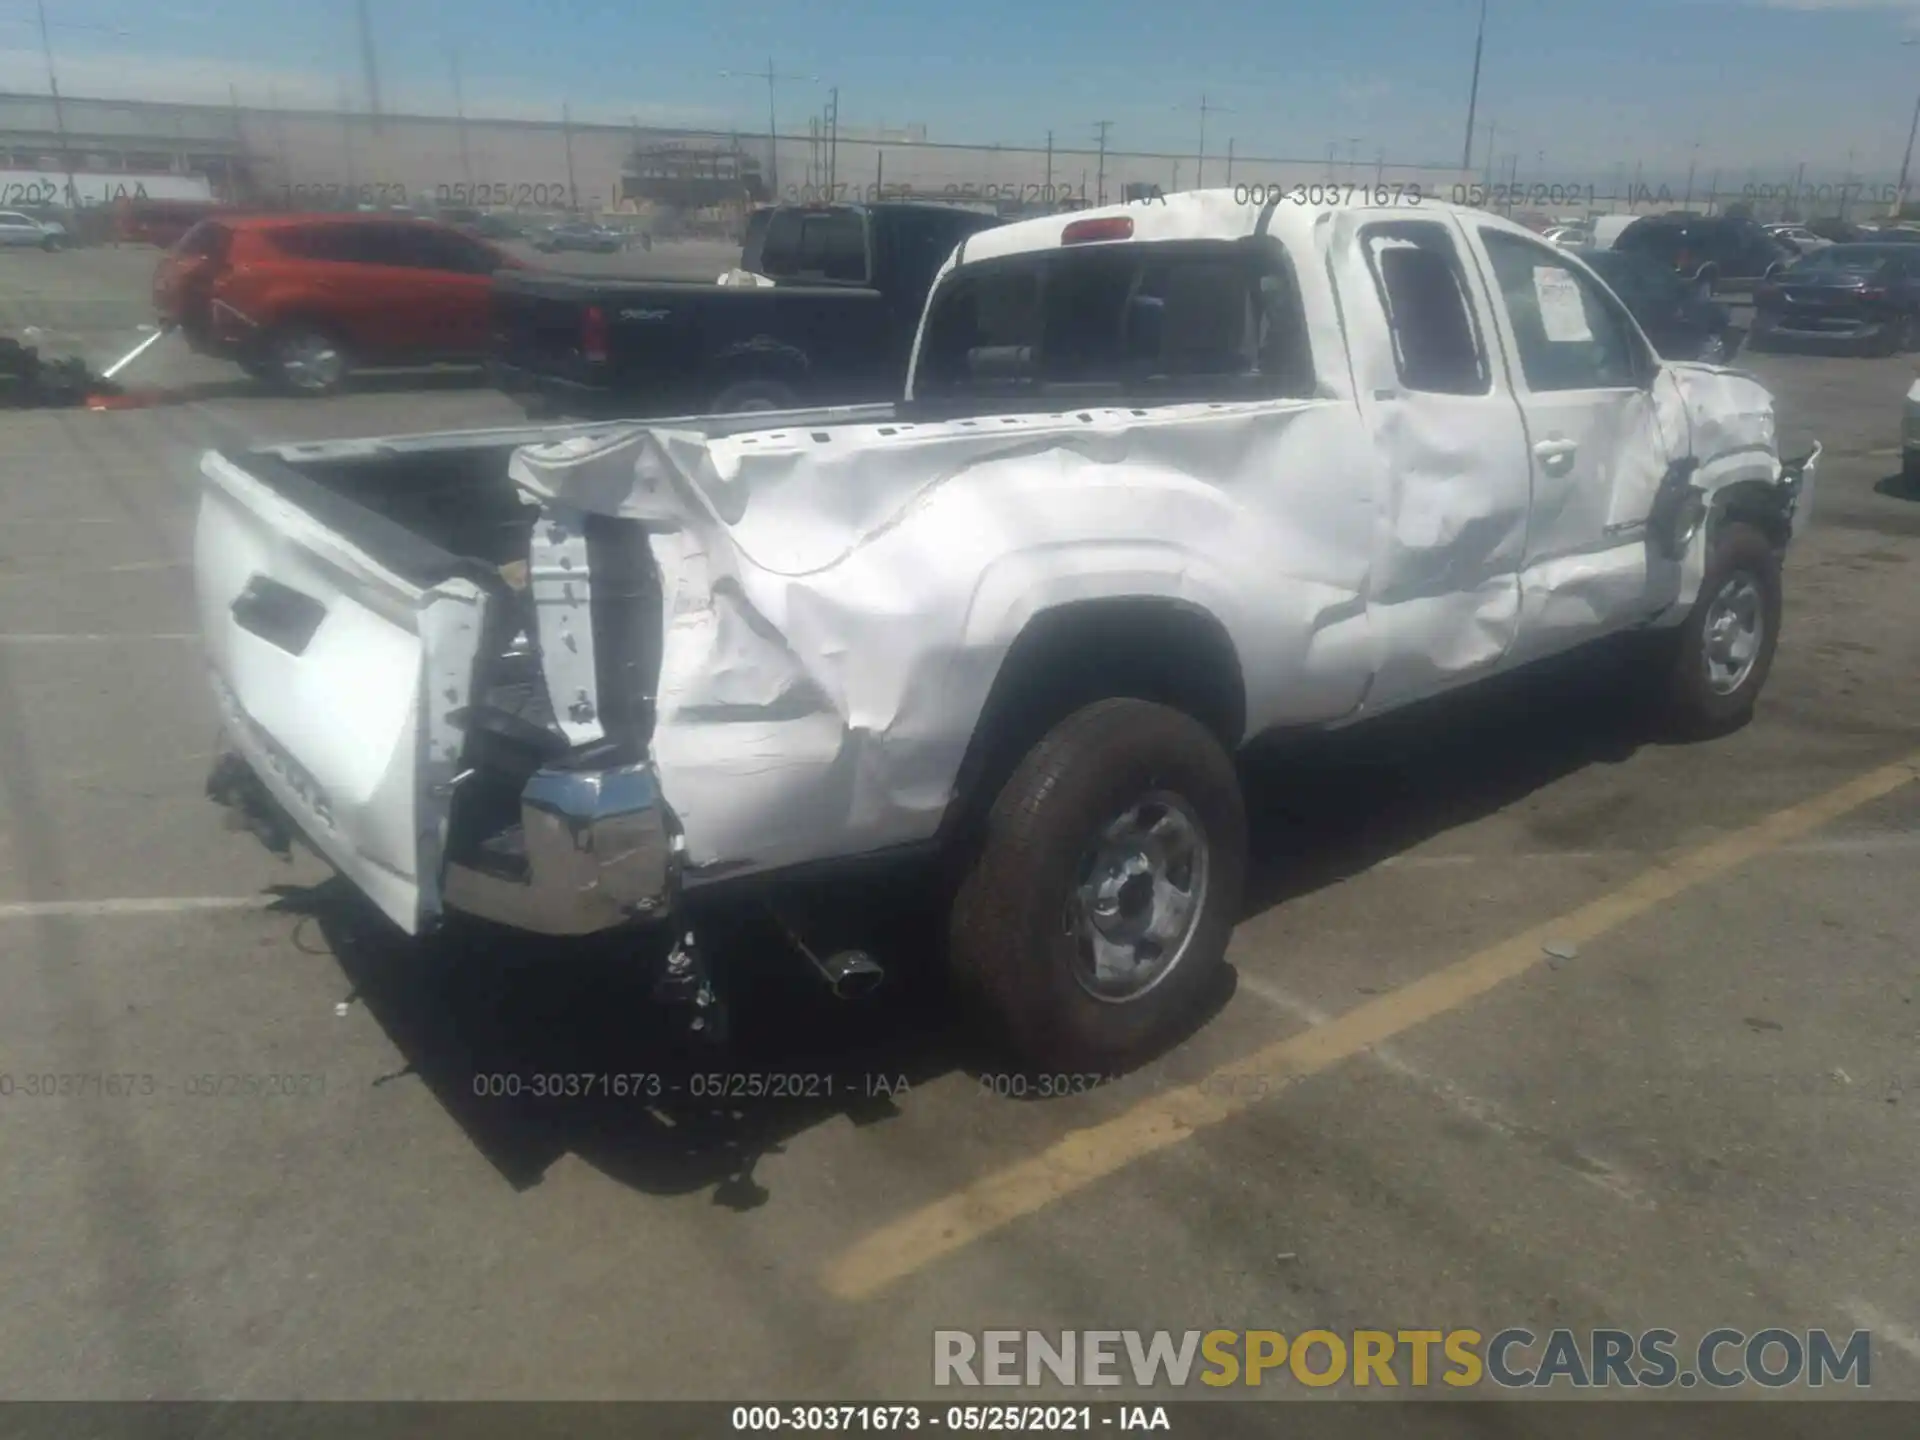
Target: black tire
x=1692, y=705
x=276, y=357
x=1011, y=952
x=755, y=395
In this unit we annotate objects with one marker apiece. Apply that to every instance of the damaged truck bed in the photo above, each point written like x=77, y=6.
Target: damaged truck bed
x=1166, y=479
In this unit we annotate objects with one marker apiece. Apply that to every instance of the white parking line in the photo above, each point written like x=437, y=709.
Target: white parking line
x=144, y=905
x=1887, y=841
x=92, y=639
x=1883, y=1326
x=1483, y=1113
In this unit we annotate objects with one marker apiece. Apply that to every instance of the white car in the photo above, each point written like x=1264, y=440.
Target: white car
x=1269, y=468
x=21, y=230
x=1799, y=237
x=1570, y=237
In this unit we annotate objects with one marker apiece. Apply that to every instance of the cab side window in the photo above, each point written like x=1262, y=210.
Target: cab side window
x=1570, y=333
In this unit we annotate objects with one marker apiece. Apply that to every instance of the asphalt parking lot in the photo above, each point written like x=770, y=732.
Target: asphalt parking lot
x=1702, y=1110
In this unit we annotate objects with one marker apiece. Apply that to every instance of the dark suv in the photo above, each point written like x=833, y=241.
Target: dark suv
x=1728, y=253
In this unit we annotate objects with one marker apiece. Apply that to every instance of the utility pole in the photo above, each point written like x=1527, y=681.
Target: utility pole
x=1493, y=134
x=59, y=112
x=1100, y=183
x=346, y=128
x=1048, y=191
x=1229, y=159
x=1473, y=94
x=280, y=143
x=566, y=136
x=1200, y=167
x=373, y=70
x=770, y=75
x=239, y=144
x=833, y=138
x=460, y=115
x=1693, y=159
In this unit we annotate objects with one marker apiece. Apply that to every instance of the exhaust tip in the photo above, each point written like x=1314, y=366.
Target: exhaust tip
x=852, y=974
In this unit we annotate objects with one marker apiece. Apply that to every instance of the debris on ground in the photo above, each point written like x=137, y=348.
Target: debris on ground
x=28, y=382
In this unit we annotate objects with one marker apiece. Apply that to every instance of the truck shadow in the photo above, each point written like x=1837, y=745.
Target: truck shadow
x=541, y=1049
x=487, y=1019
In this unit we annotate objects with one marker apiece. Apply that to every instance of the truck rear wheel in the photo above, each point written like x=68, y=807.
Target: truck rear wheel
x=1717, y=661
x=1093, y=924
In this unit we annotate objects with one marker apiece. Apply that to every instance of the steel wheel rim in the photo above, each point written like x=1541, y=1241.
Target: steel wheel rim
x=1735, y=627
x=1138, y=896
x=310, y=361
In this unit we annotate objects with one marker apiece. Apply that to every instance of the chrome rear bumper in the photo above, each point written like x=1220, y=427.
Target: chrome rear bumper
x=602, y=849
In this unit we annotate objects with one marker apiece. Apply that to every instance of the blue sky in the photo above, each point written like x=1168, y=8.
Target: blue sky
x=1575, y=88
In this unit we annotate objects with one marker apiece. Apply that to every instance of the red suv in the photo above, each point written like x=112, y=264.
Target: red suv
x=301, y=300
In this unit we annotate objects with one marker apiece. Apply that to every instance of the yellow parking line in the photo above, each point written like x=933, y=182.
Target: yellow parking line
x=1081, y=1157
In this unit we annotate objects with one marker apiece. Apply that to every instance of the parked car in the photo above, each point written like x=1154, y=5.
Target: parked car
x=1733, y=254
x=493, y=226
x=1609, y=228
x=18, y=230
x=837, y=327
x=1799, y=237
x=1682, y=322
x=1165, y=479
x=302, y=300
x=580, y=235
x=1841, y=232
x=1863, y=295
x=1568, y=237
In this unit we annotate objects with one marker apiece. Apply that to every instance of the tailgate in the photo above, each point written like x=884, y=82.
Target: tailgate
x=537, y=331
x=341, y=648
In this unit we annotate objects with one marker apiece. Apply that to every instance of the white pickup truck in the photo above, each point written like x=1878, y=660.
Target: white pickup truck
x=1168, y=477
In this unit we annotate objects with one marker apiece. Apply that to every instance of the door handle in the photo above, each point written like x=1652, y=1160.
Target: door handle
x=1556, y=455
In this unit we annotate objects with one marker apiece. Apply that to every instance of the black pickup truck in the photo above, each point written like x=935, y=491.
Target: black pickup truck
x=836, y=326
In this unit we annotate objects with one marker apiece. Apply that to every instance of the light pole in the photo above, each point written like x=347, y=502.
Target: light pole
x=770, y=75
x=460, y=116
x=1100, y=178
x=59, y=114
x=1473, y=94
x=372, y=69
x=1906, y=161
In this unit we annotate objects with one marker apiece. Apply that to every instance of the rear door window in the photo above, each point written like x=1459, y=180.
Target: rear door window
x=339, y=244
x=1437, y=347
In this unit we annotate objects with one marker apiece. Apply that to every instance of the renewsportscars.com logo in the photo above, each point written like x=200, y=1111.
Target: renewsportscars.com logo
x=1509, y=1359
